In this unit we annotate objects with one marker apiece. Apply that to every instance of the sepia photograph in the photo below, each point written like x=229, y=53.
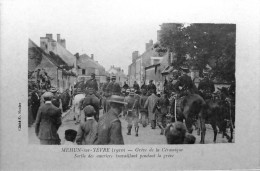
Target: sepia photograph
x=179, y=89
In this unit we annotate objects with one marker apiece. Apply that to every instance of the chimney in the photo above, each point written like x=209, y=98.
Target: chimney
x=135, y=56
x=49, y=36
x=92, y=56
x=58, y=37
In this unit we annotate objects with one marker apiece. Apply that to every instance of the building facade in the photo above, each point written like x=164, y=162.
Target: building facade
x=119, y=73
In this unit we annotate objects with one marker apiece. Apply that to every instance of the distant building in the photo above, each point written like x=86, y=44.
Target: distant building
x=119, y=73
x=87, y=65
x=136, y=70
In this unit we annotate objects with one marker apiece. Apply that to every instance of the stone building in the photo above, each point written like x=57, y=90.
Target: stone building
x=86, y=65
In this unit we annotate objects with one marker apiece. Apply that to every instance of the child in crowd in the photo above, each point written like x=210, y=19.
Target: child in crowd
x=87, y=132
x=70, y=136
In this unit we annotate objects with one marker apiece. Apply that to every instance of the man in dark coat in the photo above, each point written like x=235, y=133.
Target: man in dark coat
x=92, y=83
x=144, y=86
x=126, y=86
x=56, y=99
x=136, y=86
x=104, y=87
x=184, y=85
x=114, y=88
x=92, y=100
x=48, y=121
x=109, y=125
x=151, y=86
x=206, y=86
x=132, y=112
x=35, y=101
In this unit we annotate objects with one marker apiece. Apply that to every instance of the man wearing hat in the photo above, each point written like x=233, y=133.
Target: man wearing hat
x=109, y=125
x=151, y=86
x=150, y=104
x=105, y=94
x=136, y=86
x=92, y=83
x=143, y=110
x=206, y=86
x=48, y=121
x=184, y=85
x=132, y=112
x=113, y=87
x=56, y=99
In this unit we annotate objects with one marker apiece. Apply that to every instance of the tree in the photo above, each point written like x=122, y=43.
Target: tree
x=202, y=44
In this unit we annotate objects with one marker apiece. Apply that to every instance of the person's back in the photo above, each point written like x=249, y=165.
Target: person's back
x=87, y=132
x=48, y=121
x=109, y=122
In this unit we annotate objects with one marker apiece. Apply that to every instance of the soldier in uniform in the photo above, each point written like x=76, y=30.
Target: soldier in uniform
x=113, y=87
x=132, y=112
x=92, y=83
x=92, y=100
x=105, y=94
x=162, y=108
x=56, y=99
x=79, y=87
x=109, y=125
x=206, y=86
x=143, y=110
x=184, y=85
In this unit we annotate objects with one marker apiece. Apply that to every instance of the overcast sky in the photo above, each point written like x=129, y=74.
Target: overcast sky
x=110, y=31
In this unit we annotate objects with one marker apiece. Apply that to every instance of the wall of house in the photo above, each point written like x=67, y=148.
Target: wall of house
x=153, y=74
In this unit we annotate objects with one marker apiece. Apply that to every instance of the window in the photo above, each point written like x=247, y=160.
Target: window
x=83, y=71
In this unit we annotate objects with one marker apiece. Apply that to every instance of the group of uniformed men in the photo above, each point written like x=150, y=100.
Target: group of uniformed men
x=139, y=105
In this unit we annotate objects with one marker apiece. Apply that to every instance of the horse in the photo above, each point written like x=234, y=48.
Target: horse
x=65, y=99
x=219, y=114
x=76, y=106
x=190, y=108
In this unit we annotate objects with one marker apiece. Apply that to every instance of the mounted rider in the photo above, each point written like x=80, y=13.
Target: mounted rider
x=92, y=83
x=113, y=87
x=91, y=99
x=184, y=85
x=132, y=111
x=206, y=86
x=79, y=87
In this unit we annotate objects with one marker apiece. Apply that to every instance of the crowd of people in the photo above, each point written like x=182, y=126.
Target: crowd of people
x=137, y=105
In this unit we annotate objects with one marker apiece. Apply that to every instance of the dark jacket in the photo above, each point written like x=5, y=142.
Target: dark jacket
x=48, y=122
x=35, y=99
x=136, y=86
x=87, y=132
x=109, y=129
x=92, y=84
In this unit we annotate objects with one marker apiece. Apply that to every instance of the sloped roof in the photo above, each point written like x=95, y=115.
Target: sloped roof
x=68, y=57
x=86, y=62
x=55, y=59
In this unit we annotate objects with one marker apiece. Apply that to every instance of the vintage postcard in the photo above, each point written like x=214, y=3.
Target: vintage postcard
x=133, y=85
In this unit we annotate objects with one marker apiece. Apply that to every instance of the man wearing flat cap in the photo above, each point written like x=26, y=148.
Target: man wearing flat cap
x=48, y=121
x=109, y=125
x=87, y=131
